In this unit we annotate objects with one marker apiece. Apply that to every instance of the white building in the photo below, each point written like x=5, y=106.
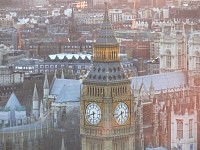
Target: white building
x=184, y=129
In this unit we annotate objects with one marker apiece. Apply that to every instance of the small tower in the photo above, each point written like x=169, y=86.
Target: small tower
x=41, y=109
x=73, y=34
x=62, y=75
x=151, y=91
x=35, y=103
x=45, y=87
x=63, y=144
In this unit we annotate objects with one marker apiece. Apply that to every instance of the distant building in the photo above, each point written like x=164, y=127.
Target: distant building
x=6, y=22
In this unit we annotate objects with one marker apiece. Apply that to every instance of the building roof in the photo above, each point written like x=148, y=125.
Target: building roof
x=106, y=73
x=66, y=90
x=13, y=104
x=162, y=81
x=70, y=56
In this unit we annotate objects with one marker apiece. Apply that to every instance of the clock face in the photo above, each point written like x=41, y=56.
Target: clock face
x=121, y=113
x=93, y=114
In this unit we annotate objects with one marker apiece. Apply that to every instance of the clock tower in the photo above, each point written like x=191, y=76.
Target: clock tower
x=106, y=105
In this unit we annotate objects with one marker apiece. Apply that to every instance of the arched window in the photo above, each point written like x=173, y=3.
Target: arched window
x=168, y=59
x=179, y=59
x=197, y=60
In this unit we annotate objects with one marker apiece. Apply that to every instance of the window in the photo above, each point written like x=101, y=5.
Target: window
x=190, y=128
x=168, y=59
x=197, y=60
x=179, y=59
x=179, y=128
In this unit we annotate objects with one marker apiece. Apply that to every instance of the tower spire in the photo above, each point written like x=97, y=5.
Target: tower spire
x=62, y=75
x=35, y=101
x=46, y=87
x=106, y=35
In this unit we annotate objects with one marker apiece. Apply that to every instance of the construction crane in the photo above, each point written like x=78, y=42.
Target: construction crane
x=133, y=16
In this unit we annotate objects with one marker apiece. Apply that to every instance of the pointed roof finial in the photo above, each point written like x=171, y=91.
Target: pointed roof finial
x=46, y=82
x=62, y=75
x=106, y=7
x=55, y=74
x=63, y=144
x=41, y=109
x=35, y=94
x=151, y=88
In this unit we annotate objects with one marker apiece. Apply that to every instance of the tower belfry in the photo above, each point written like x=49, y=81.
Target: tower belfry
x=107, y=117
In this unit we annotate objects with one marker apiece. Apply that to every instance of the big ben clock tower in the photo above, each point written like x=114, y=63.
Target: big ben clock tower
x=106, y=105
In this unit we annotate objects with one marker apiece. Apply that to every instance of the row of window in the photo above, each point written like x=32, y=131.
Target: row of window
x=180, y=128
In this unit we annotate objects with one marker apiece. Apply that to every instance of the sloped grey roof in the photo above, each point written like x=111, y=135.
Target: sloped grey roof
x=72, y=87
x=69, y=93
x=106, y=35
x=161, y=81
x=13, y=103
x=106, y=73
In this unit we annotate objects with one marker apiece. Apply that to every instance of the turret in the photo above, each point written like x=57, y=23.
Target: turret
x=35, y=103
x=63, y=144
x=46, y=87
x=41, y=109
x=151, y=90
x=62, y=75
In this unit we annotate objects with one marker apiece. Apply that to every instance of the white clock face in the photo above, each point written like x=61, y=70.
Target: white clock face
x=93, y=113
x=121, y=113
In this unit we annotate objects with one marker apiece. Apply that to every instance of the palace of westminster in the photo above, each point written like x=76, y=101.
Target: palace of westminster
x=118, y=112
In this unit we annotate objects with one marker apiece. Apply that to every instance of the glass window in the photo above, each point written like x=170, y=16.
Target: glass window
x=168, y=59
x=179, y=128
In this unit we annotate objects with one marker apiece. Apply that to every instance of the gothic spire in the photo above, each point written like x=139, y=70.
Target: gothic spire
x=35, y=94
x=46, y=83
x=63, y=144
x=62, y=75
x=106, y=35
x=41, y=109
x=55, y=75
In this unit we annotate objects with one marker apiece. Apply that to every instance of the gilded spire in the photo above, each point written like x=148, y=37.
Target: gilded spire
x=106, y=35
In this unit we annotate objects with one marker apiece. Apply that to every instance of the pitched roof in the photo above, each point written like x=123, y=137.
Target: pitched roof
x=162, y=81
x=13, y=103
x=66, y=89
x=106, y=35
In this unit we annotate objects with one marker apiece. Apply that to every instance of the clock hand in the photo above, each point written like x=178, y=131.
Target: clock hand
x=119, y=114
x=93, y=113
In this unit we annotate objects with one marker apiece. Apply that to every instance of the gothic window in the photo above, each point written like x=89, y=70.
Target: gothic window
x=179, y=128
x=179, y=59
x=122, y=146
x=115, y=146
x=147, y=114
x=197, y=60
x=190, y=128
x=168, y=59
